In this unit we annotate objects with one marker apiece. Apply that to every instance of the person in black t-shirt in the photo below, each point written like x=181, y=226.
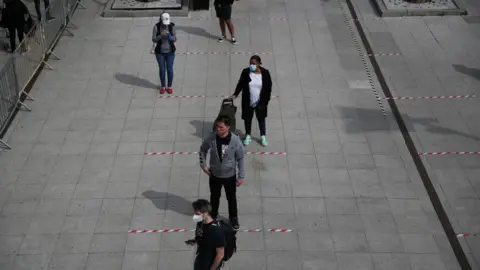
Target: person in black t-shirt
x=208, y=237
x=223, y=8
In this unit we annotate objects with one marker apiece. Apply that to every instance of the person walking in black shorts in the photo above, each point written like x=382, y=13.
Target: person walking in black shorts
x=223, y=8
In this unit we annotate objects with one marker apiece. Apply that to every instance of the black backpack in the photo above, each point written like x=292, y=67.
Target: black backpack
x=230, y=239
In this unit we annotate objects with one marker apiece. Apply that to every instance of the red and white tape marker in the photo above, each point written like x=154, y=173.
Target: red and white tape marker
x=430, y=97
x=169, y=153
x=199, y=96
x=243, y=18
x=447, y=153
x=192, y=230
x=225, y=53
x=194, y=153
x=460, y=235
x=267, y=153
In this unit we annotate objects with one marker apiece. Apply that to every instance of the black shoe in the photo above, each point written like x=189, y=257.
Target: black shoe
x=234, y=41
x=234, y=223
x=50, y=18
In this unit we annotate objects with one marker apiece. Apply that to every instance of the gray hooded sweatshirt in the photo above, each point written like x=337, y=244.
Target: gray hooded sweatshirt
x=227, y=167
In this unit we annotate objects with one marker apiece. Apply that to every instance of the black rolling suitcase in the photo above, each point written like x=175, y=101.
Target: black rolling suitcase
x=228, y=109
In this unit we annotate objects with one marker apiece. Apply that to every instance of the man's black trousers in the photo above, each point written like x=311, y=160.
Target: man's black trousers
x=230, y=186
x=38, y=9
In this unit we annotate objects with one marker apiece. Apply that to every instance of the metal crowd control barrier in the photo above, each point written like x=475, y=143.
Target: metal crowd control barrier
x=29, y=56
x=10, y=96
x=51, y=33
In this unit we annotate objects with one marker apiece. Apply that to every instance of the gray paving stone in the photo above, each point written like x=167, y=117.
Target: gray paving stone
x=68, y=261
x=38, y=244
x=106, y=243
x=140, y=260
x=82, y=224
x=73, y=244
x=40, y=261
x=391, y=261
x=114, y=223
x=108, y=261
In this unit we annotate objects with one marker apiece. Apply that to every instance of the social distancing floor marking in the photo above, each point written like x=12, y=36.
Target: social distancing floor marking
x=200, y=96
x=461, y=235
x=447, y=153
x=176, y=230
x=432, y=97
x=195, y=153
x=224, y=53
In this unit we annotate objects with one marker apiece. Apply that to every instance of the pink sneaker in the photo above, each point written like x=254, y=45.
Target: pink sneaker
x=169, y=90
x=162, y=90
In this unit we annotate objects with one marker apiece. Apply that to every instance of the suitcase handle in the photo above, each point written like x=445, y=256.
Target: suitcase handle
x=227, y=101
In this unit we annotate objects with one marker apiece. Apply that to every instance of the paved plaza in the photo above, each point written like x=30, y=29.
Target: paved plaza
x=77, y=179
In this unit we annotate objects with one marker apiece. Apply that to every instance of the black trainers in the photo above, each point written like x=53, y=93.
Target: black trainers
x=234, y=223
x=234, y=41
x=221, y=39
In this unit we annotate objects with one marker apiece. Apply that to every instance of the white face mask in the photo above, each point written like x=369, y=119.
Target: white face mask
x=197, y=218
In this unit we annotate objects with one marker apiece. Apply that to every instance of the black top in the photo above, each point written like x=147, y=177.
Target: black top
x=209, y=237
x=222, y=145
x=13, y=14
x=265, y=92
x=223, y=2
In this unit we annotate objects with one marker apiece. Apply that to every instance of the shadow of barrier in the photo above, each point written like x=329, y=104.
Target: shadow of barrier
x=28, y=59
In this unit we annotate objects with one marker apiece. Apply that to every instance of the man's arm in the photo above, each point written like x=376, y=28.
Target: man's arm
x=203, y=152
x=240, y=156
x=218, y=258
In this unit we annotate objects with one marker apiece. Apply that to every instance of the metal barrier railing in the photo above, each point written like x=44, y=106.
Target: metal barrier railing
x=29, y=56
x=9, y=96
x=50, y=29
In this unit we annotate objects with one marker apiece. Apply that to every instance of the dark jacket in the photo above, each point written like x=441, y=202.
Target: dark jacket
x=158, y=39
x=14, y=13
x=265, y=92
x=227, y=167
x=223, y=2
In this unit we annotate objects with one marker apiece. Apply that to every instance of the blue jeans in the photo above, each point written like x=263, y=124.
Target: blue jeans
x=165, y=62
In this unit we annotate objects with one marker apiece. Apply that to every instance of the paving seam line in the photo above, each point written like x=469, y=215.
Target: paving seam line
x=364, y=61
x=427, y=182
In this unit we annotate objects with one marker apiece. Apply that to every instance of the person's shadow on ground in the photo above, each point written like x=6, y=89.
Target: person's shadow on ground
x=134, y=80
x=473, y=72
x=197, y=31
x=169, y=201
x=204, y=128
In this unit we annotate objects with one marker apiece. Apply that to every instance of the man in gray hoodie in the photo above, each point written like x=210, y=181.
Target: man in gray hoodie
x=226, y=154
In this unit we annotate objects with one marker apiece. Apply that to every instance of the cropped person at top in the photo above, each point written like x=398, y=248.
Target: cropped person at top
x=223, y=9
x=164, y=36
x=255, y=83
x=14, y=21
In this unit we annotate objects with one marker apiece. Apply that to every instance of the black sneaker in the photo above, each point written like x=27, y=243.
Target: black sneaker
x=50, y=18
x=234, y=223
x=234, y=41
x=221, y=39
